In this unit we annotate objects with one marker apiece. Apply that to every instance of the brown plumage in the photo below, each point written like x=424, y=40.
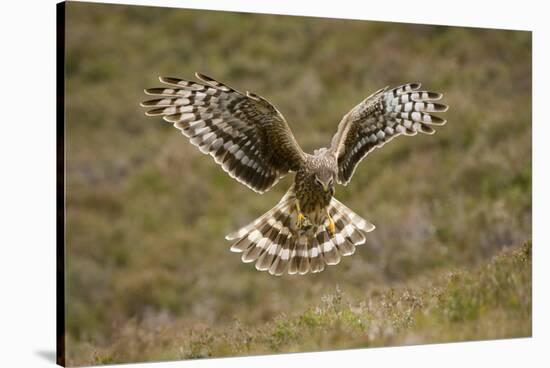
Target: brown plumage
x=252, y=141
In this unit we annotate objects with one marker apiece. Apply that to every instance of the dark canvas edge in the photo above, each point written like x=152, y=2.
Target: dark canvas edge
x=60, y=184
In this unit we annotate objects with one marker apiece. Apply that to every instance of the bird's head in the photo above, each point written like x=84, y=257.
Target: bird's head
x=325, y=179
x=323, y=166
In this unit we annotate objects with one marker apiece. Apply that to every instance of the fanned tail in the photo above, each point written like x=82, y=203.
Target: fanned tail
x=277, y=246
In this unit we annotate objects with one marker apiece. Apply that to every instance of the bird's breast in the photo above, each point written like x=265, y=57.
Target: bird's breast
x=313, y=200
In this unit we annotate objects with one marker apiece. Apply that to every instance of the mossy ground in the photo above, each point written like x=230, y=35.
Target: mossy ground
x=491, y=301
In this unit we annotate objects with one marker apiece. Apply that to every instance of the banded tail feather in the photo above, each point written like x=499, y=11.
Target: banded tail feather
x=275, y=244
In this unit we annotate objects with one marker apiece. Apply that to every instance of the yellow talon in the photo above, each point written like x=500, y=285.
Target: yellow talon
x=301, y=219
x=331, y=227
x=301, y=222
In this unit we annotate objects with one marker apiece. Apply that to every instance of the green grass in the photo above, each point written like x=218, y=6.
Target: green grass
x=490, y=301
x=147, y=212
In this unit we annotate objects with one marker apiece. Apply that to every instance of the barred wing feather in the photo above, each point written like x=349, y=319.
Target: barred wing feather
x=382, y=116
x=244, y=133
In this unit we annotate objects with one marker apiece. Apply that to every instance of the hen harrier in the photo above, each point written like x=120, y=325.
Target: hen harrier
x=252, y=142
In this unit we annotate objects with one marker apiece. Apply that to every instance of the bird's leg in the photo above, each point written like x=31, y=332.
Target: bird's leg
x=301, y=219
x=331, y=227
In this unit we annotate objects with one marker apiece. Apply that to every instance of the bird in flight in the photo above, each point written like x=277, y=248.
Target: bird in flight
x=251, y=140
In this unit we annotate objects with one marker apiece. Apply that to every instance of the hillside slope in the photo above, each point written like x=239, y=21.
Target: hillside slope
x=491, y=301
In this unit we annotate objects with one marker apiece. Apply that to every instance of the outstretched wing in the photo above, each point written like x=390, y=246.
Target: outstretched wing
x=379, y=118
x=244, y=133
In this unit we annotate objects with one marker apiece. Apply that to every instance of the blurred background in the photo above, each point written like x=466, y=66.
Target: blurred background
x=147, y=212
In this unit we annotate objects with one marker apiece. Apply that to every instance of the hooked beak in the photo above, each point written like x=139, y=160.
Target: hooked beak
x=326, y=187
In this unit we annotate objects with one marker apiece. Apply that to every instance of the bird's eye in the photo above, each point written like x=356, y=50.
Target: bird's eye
x=330, y=182
x=318, y=181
